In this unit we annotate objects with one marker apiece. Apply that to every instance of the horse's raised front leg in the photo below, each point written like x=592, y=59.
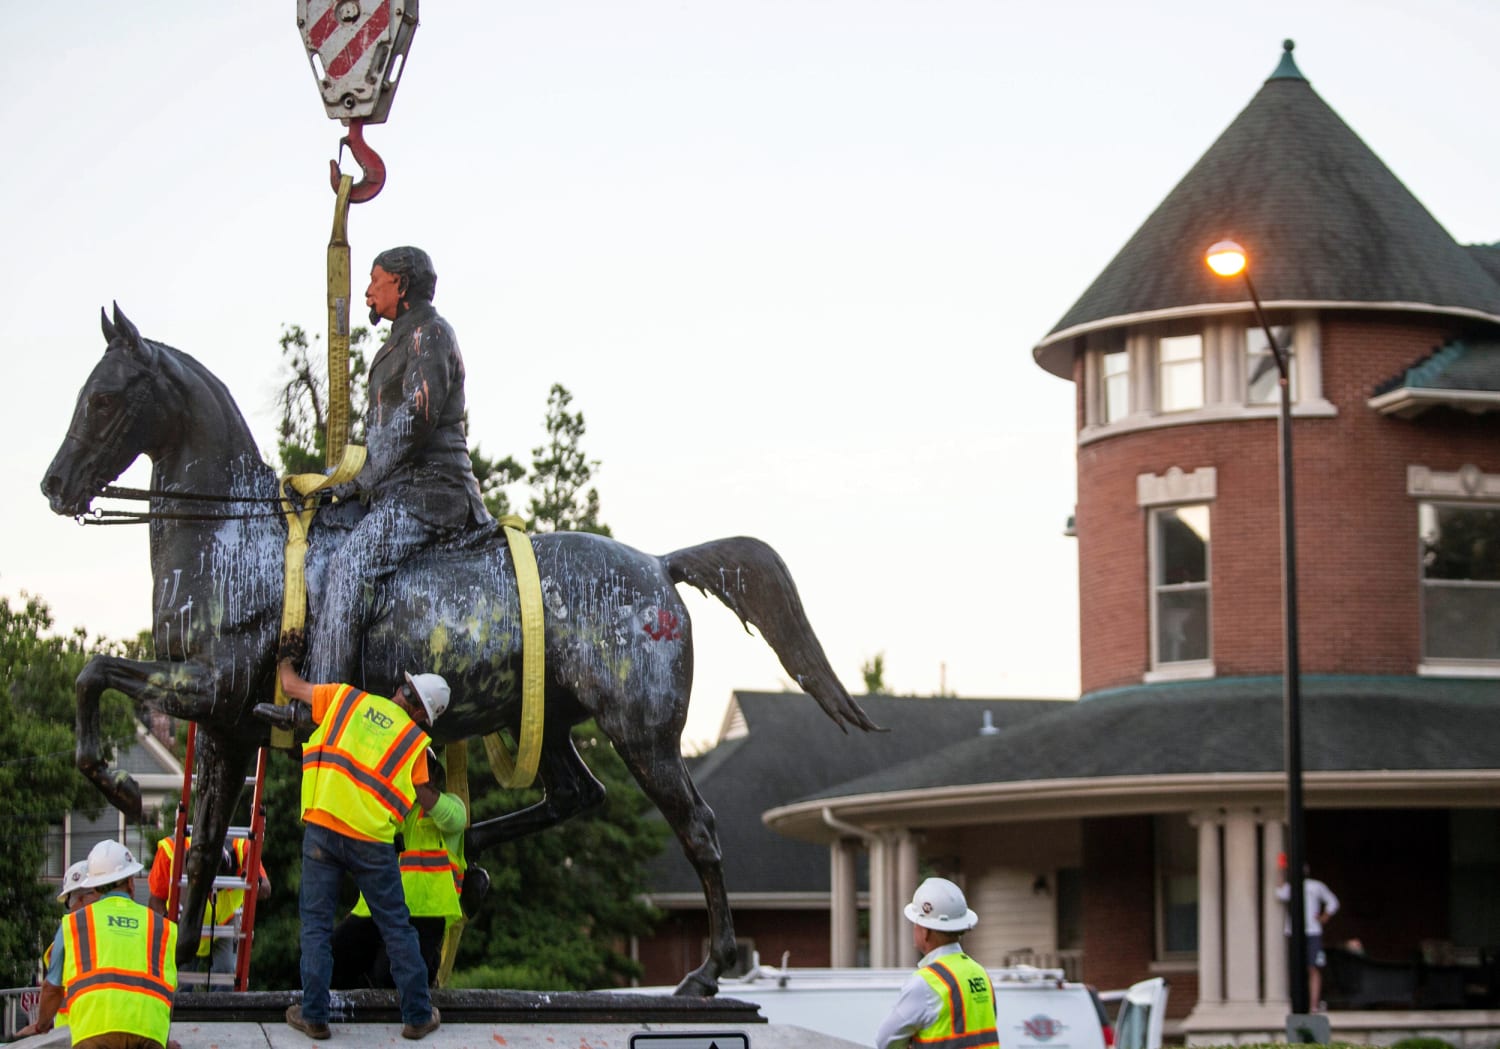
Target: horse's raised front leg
x=568, y=788
x=184, y=690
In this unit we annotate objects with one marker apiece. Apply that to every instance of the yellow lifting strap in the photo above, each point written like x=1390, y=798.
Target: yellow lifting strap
x=457, y=759
x=521, y=771
x=338, y=326
x=298, y=521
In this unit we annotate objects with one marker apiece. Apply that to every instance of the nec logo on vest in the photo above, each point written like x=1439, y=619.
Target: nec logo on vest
x=978, y=985
x=378, y=719
x=120, y=921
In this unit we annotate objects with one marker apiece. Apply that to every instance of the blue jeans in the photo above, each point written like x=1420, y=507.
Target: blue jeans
x=326, y=855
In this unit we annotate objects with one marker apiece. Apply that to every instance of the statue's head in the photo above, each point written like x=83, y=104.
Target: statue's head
x=413, y=269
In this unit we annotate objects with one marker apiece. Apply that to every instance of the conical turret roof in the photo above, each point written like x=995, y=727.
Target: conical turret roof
x=1323, y=220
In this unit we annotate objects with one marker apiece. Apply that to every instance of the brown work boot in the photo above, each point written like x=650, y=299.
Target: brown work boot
x=307, y=1027
x=415, y=1031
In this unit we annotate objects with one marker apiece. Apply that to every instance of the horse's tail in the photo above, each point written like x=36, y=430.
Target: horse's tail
x=751, y=579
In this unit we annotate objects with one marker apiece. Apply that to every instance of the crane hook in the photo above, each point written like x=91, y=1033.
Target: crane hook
x=371, y=167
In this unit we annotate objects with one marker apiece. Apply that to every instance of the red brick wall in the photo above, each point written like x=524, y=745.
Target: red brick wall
x=1356, y=526
x=1119, y=910
x=677, y=946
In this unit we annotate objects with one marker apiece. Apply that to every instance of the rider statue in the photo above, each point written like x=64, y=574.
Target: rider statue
x=418, y=480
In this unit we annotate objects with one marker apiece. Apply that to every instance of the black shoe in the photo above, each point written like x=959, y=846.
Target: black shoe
x=308, y=1027
x=415, y=1031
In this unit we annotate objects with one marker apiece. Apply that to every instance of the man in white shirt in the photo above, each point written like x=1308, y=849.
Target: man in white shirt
x=1320, y=905
x=948, y=1000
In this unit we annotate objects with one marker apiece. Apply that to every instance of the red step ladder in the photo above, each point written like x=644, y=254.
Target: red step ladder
x=244, y=930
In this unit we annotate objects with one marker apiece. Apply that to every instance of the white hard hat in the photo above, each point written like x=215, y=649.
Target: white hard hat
x=433, y=691
x=939, y=904
x=109, y=862
x=73, y=880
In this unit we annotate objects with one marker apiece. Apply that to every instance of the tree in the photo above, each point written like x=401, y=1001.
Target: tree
x=559, y=472
x=873, y=671
x=37, y=777
x=563, y=902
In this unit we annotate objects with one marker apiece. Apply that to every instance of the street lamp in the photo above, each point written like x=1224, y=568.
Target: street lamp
x=1228, y=259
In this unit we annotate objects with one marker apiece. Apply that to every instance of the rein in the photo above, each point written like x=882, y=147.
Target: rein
x=98, y=516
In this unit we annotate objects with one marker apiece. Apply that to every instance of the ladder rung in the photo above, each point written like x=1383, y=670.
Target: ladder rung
x=232, y=832
x=223, y=881
x=214, y=981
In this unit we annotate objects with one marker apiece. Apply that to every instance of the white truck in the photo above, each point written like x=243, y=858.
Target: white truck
x=1034, y=1008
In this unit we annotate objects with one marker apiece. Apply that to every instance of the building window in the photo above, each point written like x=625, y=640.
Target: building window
x=1180, y=370
x=1179, y=584
x=1460, y=550
x=1262, y=378
x=1114, y=393
x=1176, y=888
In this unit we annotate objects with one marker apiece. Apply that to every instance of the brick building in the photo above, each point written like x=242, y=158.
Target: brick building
x=1136, y=832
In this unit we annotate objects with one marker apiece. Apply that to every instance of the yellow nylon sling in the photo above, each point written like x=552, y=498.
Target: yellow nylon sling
x=521, y=771
x=298, y=521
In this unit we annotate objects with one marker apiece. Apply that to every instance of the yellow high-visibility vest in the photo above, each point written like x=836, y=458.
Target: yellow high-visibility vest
x=119, y=969
x=967, y=1019
x=430, y=877
x=357, y=767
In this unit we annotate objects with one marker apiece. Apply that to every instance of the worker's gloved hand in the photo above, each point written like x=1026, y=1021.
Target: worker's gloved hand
x=292, y=646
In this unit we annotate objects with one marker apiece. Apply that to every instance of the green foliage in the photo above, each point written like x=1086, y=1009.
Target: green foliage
x=563, y=903
x=1422, y=1042
x=873, y=671
x=560, y=473
x=37, y=777
x=301, y=435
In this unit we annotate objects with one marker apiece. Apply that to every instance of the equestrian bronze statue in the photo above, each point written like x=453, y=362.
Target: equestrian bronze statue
x=618, y=636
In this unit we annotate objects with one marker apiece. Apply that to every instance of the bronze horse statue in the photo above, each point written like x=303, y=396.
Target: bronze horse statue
x=618, y=637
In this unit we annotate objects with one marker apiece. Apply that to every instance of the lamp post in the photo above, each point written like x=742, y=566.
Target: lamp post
x=1228, y=259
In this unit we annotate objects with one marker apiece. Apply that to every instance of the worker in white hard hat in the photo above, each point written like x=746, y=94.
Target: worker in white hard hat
x=116, y=959
x=50, y=1007
x=362, y=770
x=948, y=1002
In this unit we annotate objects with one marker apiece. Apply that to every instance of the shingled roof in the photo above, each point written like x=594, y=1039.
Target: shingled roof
x=1461, y=373
x=792, y=749
x=1227, y=725
x=1323, y=220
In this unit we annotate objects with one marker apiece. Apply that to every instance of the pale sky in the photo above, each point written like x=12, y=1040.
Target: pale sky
x=790, y=256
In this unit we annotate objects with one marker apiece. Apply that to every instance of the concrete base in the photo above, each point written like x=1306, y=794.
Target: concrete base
x=1307, y=1028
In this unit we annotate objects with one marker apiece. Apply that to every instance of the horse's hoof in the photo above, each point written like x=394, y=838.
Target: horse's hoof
x=697, y=985
x=124, y=793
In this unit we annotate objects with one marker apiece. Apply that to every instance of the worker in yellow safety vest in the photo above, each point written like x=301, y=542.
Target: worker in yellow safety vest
x=51, y=1005
x=116, y=960
x=216, y=953
x=432, y=878
x=362, y=770
x=948, y=1002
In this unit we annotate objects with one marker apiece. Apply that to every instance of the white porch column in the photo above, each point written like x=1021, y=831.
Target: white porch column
x=843, y=903
x=1273, y=947
x=882, y=876
x=1210, y=912
x=905, y=887
x=1241, y=908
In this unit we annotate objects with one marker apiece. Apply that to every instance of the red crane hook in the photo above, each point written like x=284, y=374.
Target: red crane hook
x=371, y=167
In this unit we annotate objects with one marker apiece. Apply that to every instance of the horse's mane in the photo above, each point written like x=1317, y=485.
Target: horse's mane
x=207, y=393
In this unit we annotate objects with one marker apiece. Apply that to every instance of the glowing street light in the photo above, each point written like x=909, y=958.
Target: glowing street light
x=1228, y=259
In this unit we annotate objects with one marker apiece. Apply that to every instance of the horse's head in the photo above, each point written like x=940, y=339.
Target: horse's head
x=109, y=429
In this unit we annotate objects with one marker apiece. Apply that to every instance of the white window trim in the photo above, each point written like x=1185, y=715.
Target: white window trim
x=1466, y=484
x=1176, y=487
x=1223, y=377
